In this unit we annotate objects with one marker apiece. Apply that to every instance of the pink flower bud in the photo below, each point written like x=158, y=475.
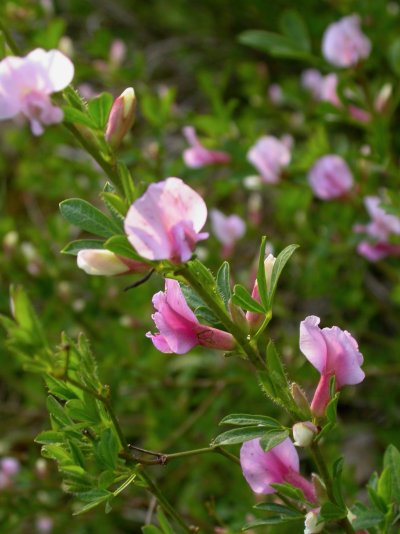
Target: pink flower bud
x=179, y=328
x=333, y=352
x=102, y=262
x=227, y=229
x=165, y=222
x=330, y=177
x=304, y=433
x=26, y=84
x=197, y=155
x=255, y=319
x=269, y=155
x=277, y=466
x=343, y=43
x=121, y=118
x=383, y=98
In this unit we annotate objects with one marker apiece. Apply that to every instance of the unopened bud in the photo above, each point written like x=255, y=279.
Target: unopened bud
x=237, y=315
x=300, y=398
x=268, y=266
x=311, y=525
x=383, y=97
x=304, y=433
x=121, y=118
x=319, y=487
x=103, y=262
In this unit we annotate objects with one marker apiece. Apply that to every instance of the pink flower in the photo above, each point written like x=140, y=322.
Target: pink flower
x=277, y=466
x=227, y=229
x=311, y=80
x=377, y=251
x=382, y=224
x=198, y=155
x=269, y=155
x=343, y=43
x=164, y=223
x=179, y=328
x=333, y=352
x=102, y=262
x=9, y=466
x=330, y=177
x=26, y=84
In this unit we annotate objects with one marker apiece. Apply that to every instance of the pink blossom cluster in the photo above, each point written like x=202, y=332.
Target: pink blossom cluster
x=378, y=231
x=26, y=84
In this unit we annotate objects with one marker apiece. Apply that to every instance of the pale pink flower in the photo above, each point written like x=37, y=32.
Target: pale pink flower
x=44, y=524
x=275, y=94
x=279, y=465
x=333, y=352
x=165, y=222
x=179, y=328
x=304, y=433
x=227, y=229
x=117, y=52
x=198, y=155
x=26, y=84
x=330, y=177
x=102, y=262
x=344, y=44
x=311, y=80
x=382, y=223
x=269, y=156
x=9, y=466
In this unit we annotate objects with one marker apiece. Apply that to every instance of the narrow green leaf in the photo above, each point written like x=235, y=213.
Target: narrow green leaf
x=274, y=44
x=279, y=509
x=389, y=481
x=223, y=282
x=238, y=435
x=289, y=491
x=331, y=512
x=242, y=298
x=99, y=109
x=261, y=276
x=57, y=411
x=50, y=437
x=250, y=420
x=337, y=470
x=128, y=185
x=151, y=529
x=279, y=264
x=365, y=518
x=116, y=206
x=82, y=244
x=164, y=523
x=125, y=484
x=85, y=216
x=272, y=520
x=75, y=116
x=272, y=438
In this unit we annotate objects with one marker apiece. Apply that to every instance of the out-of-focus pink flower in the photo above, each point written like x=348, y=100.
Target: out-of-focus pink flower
x=102, y=262
x=333, y=352
x=344, y=44
x=44, y=524
x=26, y=84
x=165, y=222
x=9, y=466
x=330, y=177
x=277, y=466
x=269, y=156
x=117, y=52
x=227, y=229
x=311, y=80
x=275, y=94
x=382, y=224
x=378, y=250
x=179, y=328
x=198, y=155
x=383, y=98
x=121, y=118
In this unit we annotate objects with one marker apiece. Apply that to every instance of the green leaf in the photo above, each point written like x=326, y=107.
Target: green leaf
x=85, y=216
x=293, y=27
x=116, y=206
x=49, y=437
x=107, y=449
x=242, y=298
x=394, y=56
x=272, y=438
x=272, y=520
x=223, y=282
x=389, y=481
x=82, y=244
x=250, y=420
x=151, y=529
x=93, y=499
x=75, y=116
x=365, y=518
x=26, y=317
x=238, y=435
x=119, y=244
x=279, y=509
x=125, y=484
x=289, y=491
x=331, y=512
x=277, y=379
x=337, y=470
x=164, y=523
x=274, y=44
x=261, y=276
x=99, y=109
x=127, y=183
x=57, y=412
x=279, y=264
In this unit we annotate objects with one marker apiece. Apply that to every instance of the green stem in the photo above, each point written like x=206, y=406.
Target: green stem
x=163, y=501
x=161, y=458
x=12, y=45
x=220, y=313
x=323, y=471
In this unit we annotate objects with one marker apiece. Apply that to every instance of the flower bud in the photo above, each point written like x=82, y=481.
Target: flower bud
x=121, y=118
x=237, y=315
x=255, y=319
x=268, y=266
x=303, y=433
x=383, y=98
x=102, y=262
x=300, y=398
x=319, y=487
x=311, y=525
